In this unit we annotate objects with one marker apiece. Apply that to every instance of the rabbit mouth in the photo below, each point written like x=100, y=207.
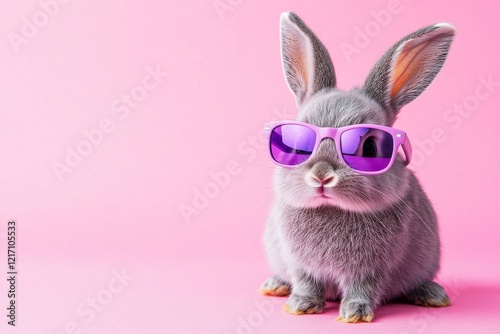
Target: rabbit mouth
x=324, y=196
x=320, y=192
x=321, y=199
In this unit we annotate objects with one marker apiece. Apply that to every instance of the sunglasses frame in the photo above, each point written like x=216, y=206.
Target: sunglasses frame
x=400, y=138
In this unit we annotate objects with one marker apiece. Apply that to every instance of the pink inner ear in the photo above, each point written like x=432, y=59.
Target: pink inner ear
x=408, y=63
x=300, y=62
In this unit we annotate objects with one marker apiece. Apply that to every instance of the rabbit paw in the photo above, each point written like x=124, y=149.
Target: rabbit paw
x=355, y=311
x=275, y=286
x=299, y=305
x=429, y=294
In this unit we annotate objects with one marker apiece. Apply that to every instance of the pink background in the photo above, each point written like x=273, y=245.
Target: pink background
x=120, y=207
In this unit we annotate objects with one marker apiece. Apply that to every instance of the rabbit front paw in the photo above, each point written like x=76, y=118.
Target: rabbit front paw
x=355, y=311
x=299, y=305
x=275, y=286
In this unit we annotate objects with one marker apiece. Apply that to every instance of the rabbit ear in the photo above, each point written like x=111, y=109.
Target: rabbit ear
x=407, y=68
x=306, y=62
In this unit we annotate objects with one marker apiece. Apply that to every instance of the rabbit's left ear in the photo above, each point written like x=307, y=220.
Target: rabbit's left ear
x=306, y=63
x=407, y=68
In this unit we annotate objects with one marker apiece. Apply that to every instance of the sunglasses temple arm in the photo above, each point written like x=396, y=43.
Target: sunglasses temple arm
x=407, y=149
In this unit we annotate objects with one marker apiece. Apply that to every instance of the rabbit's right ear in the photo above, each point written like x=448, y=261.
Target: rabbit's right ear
x=306, y=63
x=407, y=68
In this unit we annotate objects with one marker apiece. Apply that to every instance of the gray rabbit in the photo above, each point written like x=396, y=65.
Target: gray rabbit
x=368, y=239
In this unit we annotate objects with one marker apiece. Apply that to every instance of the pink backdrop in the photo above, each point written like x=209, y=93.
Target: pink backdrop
x=117, y=115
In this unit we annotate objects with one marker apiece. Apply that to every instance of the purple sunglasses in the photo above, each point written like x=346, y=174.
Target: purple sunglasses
x=366, y=148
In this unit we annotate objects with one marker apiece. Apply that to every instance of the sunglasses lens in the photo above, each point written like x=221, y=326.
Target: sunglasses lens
x=292, y=144
x=366, y=149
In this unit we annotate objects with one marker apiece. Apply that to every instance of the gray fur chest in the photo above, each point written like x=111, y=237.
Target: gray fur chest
x=328, y=242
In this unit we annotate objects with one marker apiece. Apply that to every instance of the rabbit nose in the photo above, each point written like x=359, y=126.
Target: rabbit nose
x=323, y=180
x=328, y=181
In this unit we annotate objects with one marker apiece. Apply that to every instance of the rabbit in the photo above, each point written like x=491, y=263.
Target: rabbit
x=371, y=239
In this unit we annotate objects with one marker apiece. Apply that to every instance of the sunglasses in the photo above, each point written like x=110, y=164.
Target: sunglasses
x=366, y=148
